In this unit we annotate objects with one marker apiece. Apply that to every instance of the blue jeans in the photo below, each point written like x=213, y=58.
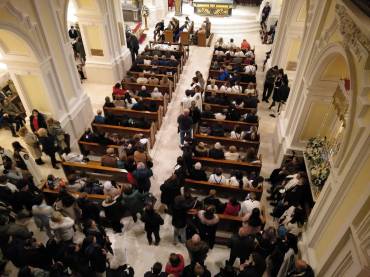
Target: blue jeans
x=183, y=134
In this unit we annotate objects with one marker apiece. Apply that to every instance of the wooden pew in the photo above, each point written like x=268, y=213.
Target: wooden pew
x=95, y=169
x=226, y=141
x=168, y=35
x=229, y=124
x=243, y=166
x=127, y=131
x=230, y=190
x=147, y=57
x=95, y=148
x=137, y=87
x=219, y=83
x=219, y=108
x=231, y=96
x=215, y=73
x=99, y=197
x=174, y=70
x=202, y=39
x=185, y=35
x=172, y=78
x=159, y=102
x=155, y=117
x=183, y=50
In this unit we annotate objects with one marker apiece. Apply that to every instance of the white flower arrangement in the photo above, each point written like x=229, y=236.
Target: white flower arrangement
x=318, y=162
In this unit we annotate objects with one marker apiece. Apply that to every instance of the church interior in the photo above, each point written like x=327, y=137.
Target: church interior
x=185, y=138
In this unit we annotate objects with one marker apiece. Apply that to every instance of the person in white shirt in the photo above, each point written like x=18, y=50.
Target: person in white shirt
x=226, y=88
x=217, y=177
x=220, y=116
x=295, y=181
x=129, y=101
x=250, y=69
x=239, y=53
x=249, y=204
x=212, y=85
x=249, y=54
x=197, y=98
x=219, y=53
x=156, y=93
x=186, y=101
x=232, y=154
x=230, y=52
x=231, y=44
x=250, y=90
x=237, y=133
x=236, y=88
x=220, y=43
x=238, y=180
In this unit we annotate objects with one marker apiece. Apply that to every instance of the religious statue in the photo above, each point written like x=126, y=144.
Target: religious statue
x=178, y=7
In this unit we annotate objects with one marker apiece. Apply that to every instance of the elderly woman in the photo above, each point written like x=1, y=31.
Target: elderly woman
x=48, y=145
x=156, y=93
x=55, y=130
x=217, y=152
x=33, y=144
x=232, y=154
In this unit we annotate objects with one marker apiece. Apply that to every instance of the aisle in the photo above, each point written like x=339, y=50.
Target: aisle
x=166, y=149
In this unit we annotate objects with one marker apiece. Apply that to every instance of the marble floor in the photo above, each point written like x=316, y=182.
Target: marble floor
x=131, y=246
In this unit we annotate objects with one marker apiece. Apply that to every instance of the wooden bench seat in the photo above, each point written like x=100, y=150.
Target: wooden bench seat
x=219, y=108
x=173, y=78
x=228, y=95
x=137, y=87
x=183, y=49
x=99, y=197
x=216, y=73
x=127, y=131
x=156, y=117
x=230, y=190
x=220, y=83
x=226, y=141
x=93, y=168
x=243, y=166
x=95, y=148
x=229, y=124
x=158, y=102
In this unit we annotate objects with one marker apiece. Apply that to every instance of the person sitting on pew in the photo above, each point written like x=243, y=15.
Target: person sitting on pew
x=129, y=101
x=173, y=62
x=141, y=155
x=239, y=53
x=236, y=88
x=217, y=152
x=217, y=177
x=197, y=173
x=165, y=81
x=217, y=130
x=237, y=133
x=212, y=86
x=207, y=112
x=110, y=158
x=224, y=74
x=99, y=118
x=251, y=90
x=220, y=44
x=232, y=154
x=231, y=44
x=245, y=45
x=232, y=207
x=251, y=102
x=156, y=94
x=212, y=200
x=204, y=128
x=153, y=81
x=139, y=105
x=142, y=79
x=117, y=91
x=250, y=69
x=238, y=180
x=201, y=150
x=230, y=53
x=108, y=103
x=252, y=134
x=226, y=87
x=143, y=92
x=250, y=117
x=251, y=156
x=221, y=115
x=219, y=53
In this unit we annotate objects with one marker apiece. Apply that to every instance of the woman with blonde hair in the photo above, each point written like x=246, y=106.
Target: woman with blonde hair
x=33, y=144
x=48, y=145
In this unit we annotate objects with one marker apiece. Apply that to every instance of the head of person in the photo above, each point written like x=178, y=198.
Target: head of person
x=99, y=112
x=218, y=146
x=155, y=90
x=233, y=201
x=174, y=259
x=110, y=151
x=42, y=132
x=117, y=85
x=232, y=149
x=23, y=131
x=56, y=217
x=157, y=268
x=17, y=146
x=143, y=88
x=198, y=269
x=186, y=112
x=218, y=171
x=209, y=212
x=107, y=99
x=35, y=112
x=195, y=79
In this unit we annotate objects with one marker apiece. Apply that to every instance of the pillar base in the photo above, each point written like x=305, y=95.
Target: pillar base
x=109, y=73
x=77, y=120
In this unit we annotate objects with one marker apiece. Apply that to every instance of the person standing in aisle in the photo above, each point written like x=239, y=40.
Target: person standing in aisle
x=185, y=125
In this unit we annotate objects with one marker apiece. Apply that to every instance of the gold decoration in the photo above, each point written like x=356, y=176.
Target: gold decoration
x=97, y=52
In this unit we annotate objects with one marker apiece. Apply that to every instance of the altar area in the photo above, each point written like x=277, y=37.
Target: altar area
x=213, y=7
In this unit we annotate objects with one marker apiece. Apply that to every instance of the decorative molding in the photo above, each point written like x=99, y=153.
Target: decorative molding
x=353, y=37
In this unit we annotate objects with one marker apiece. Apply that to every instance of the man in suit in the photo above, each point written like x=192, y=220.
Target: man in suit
x=73, y=33
x=133, y=45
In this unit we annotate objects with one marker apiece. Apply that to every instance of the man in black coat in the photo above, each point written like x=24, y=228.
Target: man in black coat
x=133, y=45
x=241, y=246
x=169, y=190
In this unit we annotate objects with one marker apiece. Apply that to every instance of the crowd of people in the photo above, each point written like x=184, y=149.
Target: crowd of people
x=259, y=246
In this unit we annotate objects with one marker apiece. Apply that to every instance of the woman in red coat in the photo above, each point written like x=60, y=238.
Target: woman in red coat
x=175, y=264
x=171, y=4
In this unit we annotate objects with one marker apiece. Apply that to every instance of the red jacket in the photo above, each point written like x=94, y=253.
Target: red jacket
x=232, y=210
x=176, y=270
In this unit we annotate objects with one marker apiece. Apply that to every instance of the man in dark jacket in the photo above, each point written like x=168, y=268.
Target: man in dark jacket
x=97, y=257
x=268, y=85
x=170, y=189
x=241, y=246
x=133, y=45
x=197, y=173
x=185, y=125
x=197, y=249
x=152, y=221
x=179, y=214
